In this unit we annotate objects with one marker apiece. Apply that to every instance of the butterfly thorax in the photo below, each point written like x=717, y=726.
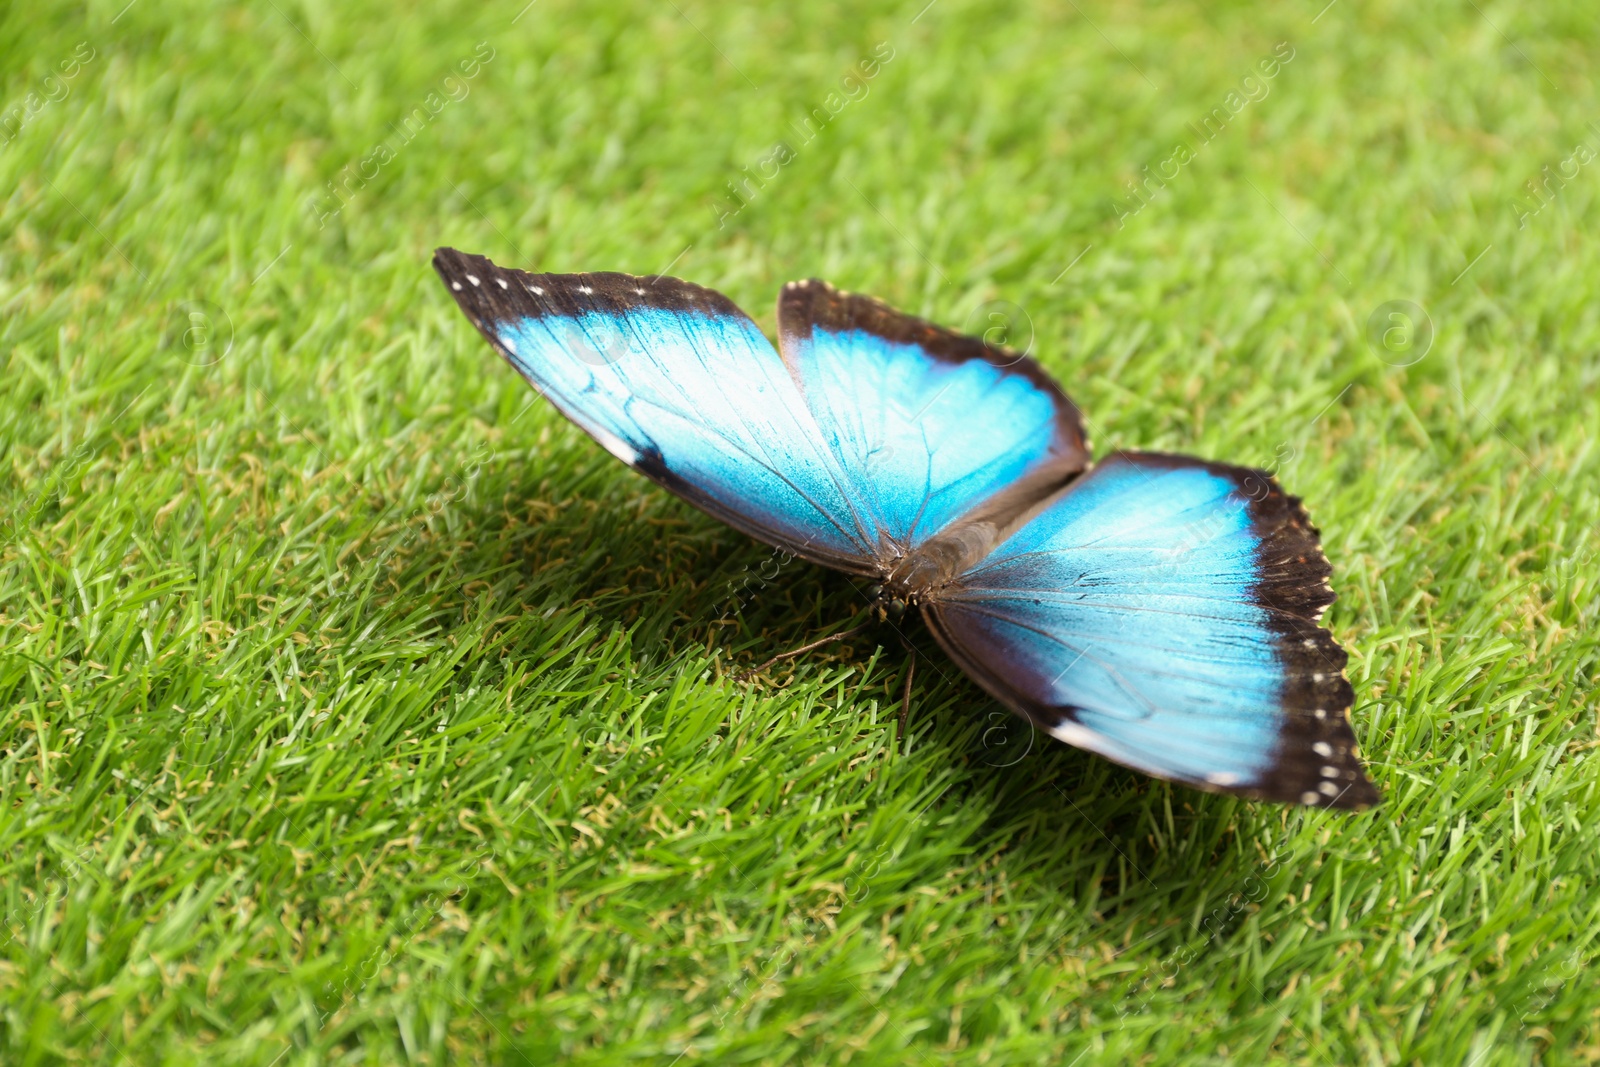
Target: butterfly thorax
x=907, y=581
x=919, y=575
x=911, y=579
x=916, y=577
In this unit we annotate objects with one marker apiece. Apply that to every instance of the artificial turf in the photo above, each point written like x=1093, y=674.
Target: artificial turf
x=355, y=708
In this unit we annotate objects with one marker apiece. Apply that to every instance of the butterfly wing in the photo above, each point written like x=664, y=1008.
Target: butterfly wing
x=940, y=425
x=1163, y=612
x=678, y=383
x=870, y=434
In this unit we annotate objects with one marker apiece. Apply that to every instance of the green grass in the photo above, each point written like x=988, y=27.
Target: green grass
x=355, y=710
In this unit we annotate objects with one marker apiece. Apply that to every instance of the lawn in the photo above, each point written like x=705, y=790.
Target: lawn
x=356, y=708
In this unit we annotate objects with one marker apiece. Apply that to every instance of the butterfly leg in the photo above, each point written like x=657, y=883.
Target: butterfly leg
x=905, y=699
x=745, y=676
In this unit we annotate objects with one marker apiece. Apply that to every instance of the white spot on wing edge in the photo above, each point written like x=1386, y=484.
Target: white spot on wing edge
x=456, y=286
x=501, y=282
x=585, y=290
x=535, y=290
x=1078, y=736
x=473, y=278
x=1309, y=797
x=1322, y=748
x=615, y=445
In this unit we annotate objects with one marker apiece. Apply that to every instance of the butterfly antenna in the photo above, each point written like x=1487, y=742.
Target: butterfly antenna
x=745, y=676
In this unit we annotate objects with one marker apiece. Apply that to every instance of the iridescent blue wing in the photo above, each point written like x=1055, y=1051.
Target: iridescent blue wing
x=1163, y=612
x=871, y=433
x=941, y=425
x=678, y=383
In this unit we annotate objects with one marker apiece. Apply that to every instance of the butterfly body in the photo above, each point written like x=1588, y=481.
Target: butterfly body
x=1160, y=610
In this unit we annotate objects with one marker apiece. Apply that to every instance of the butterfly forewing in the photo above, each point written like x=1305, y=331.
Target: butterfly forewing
x=680, y=384
x=936, y=423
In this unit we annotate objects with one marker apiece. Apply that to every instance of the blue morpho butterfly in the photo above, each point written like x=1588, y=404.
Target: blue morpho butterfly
x=1159, y=610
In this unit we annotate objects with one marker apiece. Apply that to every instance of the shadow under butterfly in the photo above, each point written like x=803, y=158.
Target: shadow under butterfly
x=1159, y=610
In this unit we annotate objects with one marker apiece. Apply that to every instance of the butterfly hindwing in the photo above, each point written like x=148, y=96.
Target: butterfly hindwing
x=1163, y=612
x=936, y=422
x=681, y=385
